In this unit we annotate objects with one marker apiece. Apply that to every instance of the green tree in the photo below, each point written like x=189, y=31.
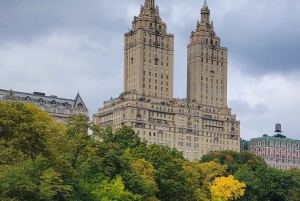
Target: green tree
x=266, y=184
x=170, y=175
x=249, y=176
x=147, y=173
x=30, y=142
x=32, y=179
x=81, y=134
x=294, y=193
x=114, y=190
x=233, y=160
x=101, y=160
x=125, y=138
x=25, y=131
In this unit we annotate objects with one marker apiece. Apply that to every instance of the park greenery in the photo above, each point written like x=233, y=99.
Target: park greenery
x=43, y=160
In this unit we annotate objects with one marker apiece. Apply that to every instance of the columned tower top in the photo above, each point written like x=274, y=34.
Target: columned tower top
x=150, y=3
x=205, y=13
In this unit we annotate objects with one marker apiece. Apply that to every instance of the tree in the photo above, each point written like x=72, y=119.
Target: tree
x=31, y=159
x=274, y=184
x=124, y=137
x=233, y=160
x=114, y=190
x=294, y=192
x=170, y=175
x=32, y=179
x=227, y=188
x=267, y=184
x=248, y=176
x=25, y=131
x=199, y=178
x=81, y=133
x=147, y=172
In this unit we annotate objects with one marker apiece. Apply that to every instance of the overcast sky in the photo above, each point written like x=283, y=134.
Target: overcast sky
x=62, y=47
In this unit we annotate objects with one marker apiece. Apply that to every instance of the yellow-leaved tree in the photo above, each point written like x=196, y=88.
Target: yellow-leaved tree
x=199, y=177
x=227, y=188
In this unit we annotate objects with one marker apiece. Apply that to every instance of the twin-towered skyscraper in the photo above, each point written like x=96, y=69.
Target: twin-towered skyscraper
x=198, y=124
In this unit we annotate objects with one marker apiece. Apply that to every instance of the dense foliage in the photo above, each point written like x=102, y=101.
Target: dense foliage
x=41, y=159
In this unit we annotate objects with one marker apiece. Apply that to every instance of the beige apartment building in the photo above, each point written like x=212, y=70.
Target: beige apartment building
x=195, y=125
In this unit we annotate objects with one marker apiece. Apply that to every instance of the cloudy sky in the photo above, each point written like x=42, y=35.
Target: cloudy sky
x=62, y=47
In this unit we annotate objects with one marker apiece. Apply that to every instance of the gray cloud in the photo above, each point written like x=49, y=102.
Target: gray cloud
x=243, y=108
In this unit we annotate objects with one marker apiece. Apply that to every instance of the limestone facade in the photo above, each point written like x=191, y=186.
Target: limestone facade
x=195, y=125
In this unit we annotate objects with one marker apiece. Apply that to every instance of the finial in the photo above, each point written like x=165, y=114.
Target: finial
x=205, y=3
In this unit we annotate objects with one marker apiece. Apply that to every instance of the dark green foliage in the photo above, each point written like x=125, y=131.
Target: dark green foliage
x=266, y=183
x=168, y=163
x=234, y=160
x=125, y=138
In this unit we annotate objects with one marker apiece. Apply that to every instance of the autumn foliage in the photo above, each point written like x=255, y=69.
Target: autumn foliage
x=227, y=188
x=41, y=159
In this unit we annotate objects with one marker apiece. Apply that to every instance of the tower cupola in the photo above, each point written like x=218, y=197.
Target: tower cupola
x=205, y=13
x=150, y=3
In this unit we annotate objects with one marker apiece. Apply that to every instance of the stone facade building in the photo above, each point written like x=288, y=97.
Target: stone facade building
x=59, y=108
x=196, y=125
x=277, y=150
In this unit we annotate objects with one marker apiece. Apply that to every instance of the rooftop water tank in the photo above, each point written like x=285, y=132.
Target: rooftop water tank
x=277, y=127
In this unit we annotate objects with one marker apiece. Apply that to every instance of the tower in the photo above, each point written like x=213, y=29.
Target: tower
x=197, y=125
x=206, y=64
x=148, y=54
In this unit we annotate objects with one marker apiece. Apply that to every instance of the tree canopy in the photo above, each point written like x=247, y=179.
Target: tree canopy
x=41, y=159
